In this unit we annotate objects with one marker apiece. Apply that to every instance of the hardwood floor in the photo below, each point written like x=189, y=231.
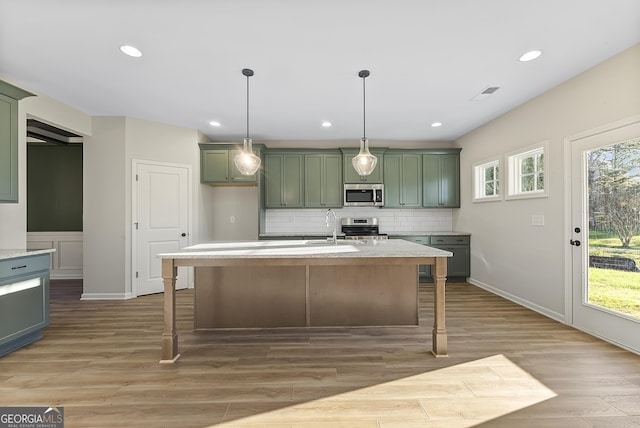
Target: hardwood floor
x=508, y=367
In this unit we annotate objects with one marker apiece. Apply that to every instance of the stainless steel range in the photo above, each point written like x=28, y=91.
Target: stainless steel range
x=362, y=228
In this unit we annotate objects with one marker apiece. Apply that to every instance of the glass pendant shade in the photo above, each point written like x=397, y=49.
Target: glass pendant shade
x=246, y=161
x=364, y=163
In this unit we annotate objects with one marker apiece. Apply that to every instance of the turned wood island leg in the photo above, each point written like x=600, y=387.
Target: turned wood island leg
x=439, y=327
x=169, y=333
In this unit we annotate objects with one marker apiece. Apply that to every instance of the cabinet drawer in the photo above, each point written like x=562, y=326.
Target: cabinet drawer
x=24, y=265
x=450, y=240
x=424, y=240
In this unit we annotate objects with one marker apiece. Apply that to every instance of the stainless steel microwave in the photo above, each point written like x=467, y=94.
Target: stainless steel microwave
x=363, y=195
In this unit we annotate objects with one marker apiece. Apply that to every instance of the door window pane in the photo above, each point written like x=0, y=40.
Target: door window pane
x=613, y=176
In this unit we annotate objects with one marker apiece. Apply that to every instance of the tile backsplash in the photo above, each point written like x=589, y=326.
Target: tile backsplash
x=392, y=221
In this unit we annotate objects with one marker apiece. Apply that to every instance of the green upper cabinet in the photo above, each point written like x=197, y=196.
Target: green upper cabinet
x=9, y=97
x=441, y=187
x=214, y=166
x=350, y=174
x=284, y=180
x=217, y=165
x=323, y=180
x=402, y=180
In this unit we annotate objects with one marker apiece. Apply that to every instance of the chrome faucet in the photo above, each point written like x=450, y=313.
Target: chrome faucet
x=331, y=215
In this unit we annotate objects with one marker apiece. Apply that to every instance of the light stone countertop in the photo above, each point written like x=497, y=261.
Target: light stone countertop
x=418, y=233
x=304, y=249
x=296, y=234
x=392, y=234
x=15, y=253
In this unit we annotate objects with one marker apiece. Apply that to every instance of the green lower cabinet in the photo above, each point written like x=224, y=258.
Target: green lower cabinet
x=459, y=265
x=323, y=180
x=284, y=180
x=402, y=180
x=441, y=180
x=24, y=300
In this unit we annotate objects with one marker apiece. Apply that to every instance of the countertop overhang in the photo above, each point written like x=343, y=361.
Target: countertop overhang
x=308, y=249
x=14, y=253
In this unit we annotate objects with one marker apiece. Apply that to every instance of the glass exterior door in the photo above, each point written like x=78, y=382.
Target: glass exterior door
x=606, y=234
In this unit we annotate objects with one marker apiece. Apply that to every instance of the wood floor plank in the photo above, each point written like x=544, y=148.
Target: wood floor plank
x=508, y=367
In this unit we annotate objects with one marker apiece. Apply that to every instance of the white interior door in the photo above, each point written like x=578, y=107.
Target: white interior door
x=162, y=221
x=605, y=194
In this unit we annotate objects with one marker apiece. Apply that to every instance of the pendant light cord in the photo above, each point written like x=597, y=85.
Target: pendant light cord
x=247, y=106
x=364, y=109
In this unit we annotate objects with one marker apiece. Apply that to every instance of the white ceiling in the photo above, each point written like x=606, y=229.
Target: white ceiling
x=428, y=59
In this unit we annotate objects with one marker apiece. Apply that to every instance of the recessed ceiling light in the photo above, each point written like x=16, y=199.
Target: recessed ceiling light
x=214, y=123
x=529, y=56
x=436, y=124
x=326, y=124
x=131, y=51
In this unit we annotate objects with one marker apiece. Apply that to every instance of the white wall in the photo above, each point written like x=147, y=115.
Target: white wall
x=508, y=254
x=220, y=203
x=108, y=157
x=104, y=208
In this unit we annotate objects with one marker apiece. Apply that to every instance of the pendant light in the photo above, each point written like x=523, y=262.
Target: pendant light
x=364, y=163
x=246, y=161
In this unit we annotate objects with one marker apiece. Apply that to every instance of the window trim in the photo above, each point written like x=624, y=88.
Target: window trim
x=513, y=161
x=477, y=174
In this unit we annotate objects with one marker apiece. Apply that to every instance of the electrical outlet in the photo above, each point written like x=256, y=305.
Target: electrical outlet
x=537, y=220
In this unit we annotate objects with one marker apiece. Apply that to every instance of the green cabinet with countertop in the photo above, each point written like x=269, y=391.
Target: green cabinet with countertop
x=402, y=180
x=217, y=165
x=9, y=97
x=458, y=266
x=441, y=179
x=284, y=180
x=352, y=176
x=323, y=180
x=24, y=299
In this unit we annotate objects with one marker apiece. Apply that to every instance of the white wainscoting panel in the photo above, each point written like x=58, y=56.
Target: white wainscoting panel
x=66, y=261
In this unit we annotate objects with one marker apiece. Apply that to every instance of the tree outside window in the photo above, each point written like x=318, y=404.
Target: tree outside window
x=526, y=172
x=487, y=181
x=614, y=190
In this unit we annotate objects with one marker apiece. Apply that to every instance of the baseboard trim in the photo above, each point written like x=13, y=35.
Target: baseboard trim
x=65, y=276
x=522, y=302
x=608, y=340
x=106, y=296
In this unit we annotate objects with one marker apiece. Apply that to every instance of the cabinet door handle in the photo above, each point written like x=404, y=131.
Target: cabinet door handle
x=18, y=267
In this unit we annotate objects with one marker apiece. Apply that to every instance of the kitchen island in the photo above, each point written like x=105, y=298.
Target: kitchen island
x=312, y=283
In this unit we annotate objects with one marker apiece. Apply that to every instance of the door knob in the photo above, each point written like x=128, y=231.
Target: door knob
x=183, y=234
x=575, y=243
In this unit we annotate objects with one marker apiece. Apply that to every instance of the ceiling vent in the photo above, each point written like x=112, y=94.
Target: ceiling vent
x=485, y=93
x=40, y=132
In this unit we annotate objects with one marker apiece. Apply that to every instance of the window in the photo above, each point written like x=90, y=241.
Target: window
x=486, y=181
x=527, y=170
